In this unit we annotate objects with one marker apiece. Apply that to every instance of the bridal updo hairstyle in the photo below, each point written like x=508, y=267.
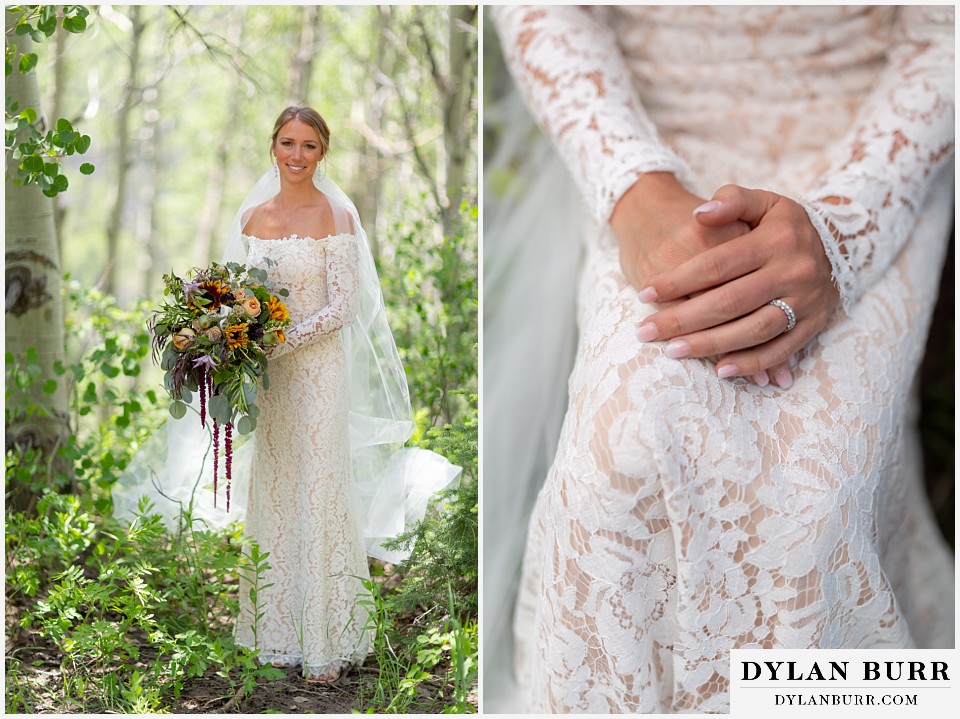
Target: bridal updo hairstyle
x=307, y=115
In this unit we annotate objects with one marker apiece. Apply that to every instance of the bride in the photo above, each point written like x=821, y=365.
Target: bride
x=327, y=478
x=707, y=493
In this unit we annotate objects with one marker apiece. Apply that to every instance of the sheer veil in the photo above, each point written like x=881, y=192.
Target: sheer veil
x=393, y=483
x=533, y=225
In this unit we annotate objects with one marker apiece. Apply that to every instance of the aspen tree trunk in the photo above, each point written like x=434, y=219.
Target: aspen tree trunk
x=144, y=229
x=55, y=106
x=301, y=70
x=213, y=202
x=370, y=172
x=115, y=222
x=34, y=312
x=462, y=64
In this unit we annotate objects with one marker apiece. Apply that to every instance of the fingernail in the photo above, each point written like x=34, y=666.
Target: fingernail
x=784, y=378
x=677, y=349
x=647, y=332
x=727, y=370
x=648, y=294
x=761, y=378
x=706, y=207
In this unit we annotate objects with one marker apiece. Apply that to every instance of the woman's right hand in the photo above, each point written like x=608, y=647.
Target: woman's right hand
x=656, y=230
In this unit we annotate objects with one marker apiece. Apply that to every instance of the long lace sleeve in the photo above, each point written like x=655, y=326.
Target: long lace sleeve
x=865, y=206
x=573, y=78
x=342, y=279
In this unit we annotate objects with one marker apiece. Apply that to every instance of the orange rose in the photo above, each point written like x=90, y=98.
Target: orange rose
x=251, y=305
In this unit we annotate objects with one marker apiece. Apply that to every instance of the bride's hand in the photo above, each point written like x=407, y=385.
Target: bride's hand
x=657, y=231
x=781, y=258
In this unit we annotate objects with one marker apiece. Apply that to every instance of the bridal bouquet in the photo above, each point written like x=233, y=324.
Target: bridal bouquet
x=211, y=338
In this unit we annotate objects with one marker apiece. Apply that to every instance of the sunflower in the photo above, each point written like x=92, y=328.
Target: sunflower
x=212, y=290
x=277, y=310
x=237, y=335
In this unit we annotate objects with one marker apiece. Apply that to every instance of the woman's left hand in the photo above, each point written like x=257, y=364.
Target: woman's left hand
x=782, y=258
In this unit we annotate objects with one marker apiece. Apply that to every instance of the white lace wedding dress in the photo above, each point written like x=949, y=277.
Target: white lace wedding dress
x=302, y=506
x=685, y=515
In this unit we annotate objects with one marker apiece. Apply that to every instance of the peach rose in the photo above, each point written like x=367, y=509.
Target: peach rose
x=251, y=306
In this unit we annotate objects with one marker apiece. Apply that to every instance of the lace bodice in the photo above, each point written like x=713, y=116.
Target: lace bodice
x=317, y=308
x=863, y=96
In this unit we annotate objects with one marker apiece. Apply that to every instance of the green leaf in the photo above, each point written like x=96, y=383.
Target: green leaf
x=83, y=143
x=63, y=125
x=32, y=163
x=110, y=371
x=86, y=169
x=90, y=393
x=50, y=386
x=60, y=183
x=28, y=62
x=178, y=410
x=75, y=25
x=246, y=425
x=51, y=169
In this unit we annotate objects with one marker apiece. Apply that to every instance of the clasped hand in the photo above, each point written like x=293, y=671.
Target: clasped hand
x=713, y=272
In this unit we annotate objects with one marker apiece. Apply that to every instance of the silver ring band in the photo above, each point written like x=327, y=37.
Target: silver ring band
x=788, y=311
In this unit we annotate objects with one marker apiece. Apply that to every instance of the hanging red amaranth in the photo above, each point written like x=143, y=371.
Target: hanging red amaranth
x=229, y=459
x=216, y=459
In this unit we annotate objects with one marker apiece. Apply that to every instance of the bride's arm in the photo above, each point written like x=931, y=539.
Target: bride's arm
x=865, y=206
x=574, y=80
x=342, y=286
x=860, y=212
x=572, y=75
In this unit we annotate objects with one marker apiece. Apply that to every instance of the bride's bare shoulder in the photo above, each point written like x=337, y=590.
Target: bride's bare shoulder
x=258, y=218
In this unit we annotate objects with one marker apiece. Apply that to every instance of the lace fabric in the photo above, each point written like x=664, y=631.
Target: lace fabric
x=686, y=515
x=302, y=507
x=342, y=284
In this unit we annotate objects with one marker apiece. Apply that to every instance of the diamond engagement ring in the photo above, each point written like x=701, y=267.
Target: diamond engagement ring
x=788, y=311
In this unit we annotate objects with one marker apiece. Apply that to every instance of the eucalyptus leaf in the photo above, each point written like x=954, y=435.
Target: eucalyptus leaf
x=178, y=410
x=246, y=425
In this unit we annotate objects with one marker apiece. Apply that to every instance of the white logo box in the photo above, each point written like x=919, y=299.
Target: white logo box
x=844, y=682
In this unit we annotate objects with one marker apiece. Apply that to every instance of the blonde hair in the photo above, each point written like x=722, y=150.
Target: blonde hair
x=310, y=117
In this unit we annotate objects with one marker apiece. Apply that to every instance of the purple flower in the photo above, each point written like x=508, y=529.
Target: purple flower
x=190, y=289
x=206, y=360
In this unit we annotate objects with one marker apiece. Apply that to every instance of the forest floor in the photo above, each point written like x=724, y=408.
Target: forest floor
x=40, y=672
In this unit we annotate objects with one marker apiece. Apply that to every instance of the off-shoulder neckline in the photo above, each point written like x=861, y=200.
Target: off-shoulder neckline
x=290, y=238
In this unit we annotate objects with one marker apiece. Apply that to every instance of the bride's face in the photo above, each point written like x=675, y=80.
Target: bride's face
x=298, y=150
